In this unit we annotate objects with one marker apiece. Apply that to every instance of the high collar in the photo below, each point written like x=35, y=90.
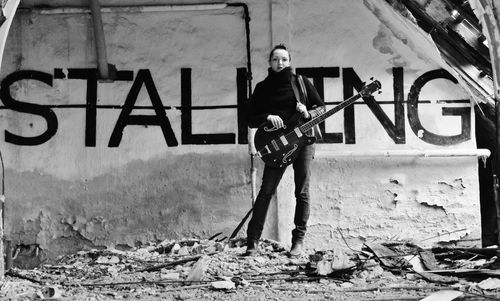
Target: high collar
x=283, y=76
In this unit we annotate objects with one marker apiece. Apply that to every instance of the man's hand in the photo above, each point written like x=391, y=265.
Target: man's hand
x=302, y=110
x=276, y=121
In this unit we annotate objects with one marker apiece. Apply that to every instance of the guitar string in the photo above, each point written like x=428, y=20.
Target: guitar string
x=311, y=123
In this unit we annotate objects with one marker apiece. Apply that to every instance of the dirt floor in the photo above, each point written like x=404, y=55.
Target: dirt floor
x=209, y=270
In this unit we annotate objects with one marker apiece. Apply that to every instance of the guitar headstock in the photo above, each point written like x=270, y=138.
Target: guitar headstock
x=367, y=90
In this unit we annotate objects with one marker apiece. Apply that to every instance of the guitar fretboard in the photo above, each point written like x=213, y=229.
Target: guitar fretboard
x=311, y=123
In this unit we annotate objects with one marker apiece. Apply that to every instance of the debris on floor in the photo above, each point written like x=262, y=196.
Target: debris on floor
x=194, y=269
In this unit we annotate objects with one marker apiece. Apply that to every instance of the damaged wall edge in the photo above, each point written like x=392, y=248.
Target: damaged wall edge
x=9, y=11
x=489, y=16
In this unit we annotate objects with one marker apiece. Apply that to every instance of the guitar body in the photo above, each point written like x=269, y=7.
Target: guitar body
x=280, y=147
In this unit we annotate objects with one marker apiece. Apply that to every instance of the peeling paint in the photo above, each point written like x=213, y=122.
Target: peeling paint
x=434, y=206
x=141, y=202
x=392, y=197
x=411, y=201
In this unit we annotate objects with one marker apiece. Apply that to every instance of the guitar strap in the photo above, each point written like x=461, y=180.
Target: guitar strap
x=296, y=90
x=315, y=130
x=303, y=89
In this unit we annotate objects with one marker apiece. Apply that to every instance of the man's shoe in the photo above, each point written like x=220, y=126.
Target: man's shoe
x=252, y=247
x=296, y=249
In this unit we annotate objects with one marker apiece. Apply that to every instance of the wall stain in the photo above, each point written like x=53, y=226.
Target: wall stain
x=173, y=197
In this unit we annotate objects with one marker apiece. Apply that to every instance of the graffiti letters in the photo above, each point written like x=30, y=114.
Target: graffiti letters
x=414, y=120
x=350, y=80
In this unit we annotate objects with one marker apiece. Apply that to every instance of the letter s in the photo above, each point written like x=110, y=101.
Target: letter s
x=26, y=107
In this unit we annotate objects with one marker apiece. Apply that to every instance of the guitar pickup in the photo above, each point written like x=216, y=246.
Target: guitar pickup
x=283, y=140
x=298, y=132
x=275, y=145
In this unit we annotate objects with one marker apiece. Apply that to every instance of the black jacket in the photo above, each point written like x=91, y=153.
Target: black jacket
x=274, y=96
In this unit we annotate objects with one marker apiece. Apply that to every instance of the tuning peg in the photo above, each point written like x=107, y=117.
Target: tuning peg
x=380, y=91
x=363, y=83
x=371, y=78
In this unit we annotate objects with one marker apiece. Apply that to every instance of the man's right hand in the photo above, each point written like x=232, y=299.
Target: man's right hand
x=276, y=121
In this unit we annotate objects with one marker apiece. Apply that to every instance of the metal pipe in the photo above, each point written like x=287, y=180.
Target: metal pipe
x=131, y=8
x=100, y=42
x=250, y=133
x=246, y=13
x=484, y=153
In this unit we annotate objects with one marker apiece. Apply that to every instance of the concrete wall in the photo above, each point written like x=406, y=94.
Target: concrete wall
x=97, y=166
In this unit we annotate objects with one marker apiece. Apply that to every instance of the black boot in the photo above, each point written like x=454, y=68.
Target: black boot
x=252, y=247
x=296, y=249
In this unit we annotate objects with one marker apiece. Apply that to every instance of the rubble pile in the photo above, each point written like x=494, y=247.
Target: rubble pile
x=195, y=269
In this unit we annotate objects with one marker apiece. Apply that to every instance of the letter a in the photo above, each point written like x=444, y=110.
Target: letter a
x=161, y=119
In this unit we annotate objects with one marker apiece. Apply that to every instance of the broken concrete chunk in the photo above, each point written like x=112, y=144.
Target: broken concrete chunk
x=415, y=262
x=197, y=249
x=113, y=270
x=198, y=270
x=489, y=284
x=324, y=268
x=183, y=251
x=445, y=295
x=238, y=281
x=370, y=273
x=330, y=263
x=175, y=248
x=170, y=276
x=111, y=259
x=223, y=285
x=219, y=247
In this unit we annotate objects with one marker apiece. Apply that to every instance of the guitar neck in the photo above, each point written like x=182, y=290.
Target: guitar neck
x=311, y=123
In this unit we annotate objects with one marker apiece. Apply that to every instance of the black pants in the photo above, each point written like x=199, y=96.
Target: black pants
x=270, y=180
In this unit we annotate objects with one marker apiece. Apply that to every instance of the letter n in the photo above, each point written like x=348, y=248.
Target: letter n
x=395, y=130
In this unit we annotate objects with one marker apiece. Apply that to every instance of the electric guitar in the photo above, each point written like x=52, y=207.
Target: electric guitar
x=278, y=147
